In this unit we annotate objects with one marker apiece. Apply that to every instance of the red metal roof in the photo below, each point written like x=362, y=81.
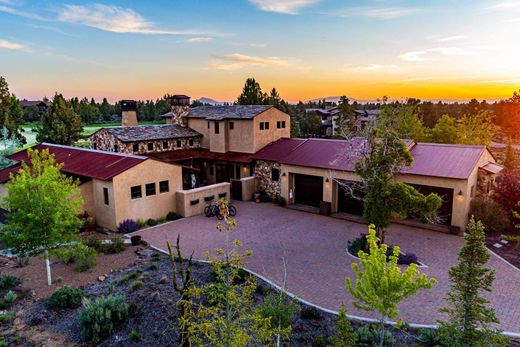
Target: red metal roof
x=201, y=153
x=439, y=160
x=80, y=161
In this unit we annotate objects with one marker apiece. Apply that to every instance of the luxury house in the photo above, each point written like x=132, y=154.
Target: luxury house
x=208, y=152
x=330, y=119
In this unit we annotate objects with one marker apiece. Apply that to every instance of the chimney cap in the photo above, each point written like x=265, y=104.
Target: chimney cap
x=128, y=105
x=180, y=100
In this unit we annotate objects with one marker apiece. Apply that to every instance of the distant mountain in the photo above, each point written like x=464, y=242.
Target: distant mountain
x=210, y=101
x=331, y=99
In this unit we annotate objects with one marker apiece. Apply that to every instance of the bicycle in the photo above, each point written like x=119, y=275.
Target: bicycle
x=212, y=210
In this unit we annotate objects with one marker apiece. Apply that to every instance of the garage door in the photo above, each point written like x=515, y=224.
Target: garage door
x=347, y=204
x=308, y=190
x=446, y=194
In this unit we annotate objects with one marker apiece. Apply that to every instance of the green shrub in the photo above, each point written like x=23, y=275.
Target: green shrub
x=153, y=267
x=134, y=336
x=9, y=297
x=280, y=309
x=141, y=222
x=123, y=279
x=173, y=216
x=151, y=222
x=494, y=217
x=368, y=337
x=134, y=274
x=161, y=220
x=6, y=317
x=3, y=304
x=99, y=318
x=66, y=297
x=515, y=240
x=319, y=341
x=116, y=245
x=311, y=312
x=359, y=244
x=4, y=342
x=428, y=338
x=156, y=257
x=8, y=281
x=82, y=256
x=136, y=285
x=215, y=293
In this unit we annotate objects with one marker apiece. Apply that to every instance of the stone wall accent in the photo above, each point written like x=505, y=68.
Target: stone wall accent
x=485, y=183
x=105, y=141
x=179, y=115
x=263, y=172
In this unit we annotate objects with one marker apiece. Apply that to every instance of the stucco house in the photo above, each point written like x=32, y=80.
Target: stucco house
x=114, y=186
x=311, y=172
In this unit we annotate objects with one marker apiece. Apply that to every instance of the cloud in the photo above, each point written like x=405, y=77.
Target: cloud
x=370, y=67
x=16, y=12
x=198, y=39
x=283, y=6
x=114, y=19
x=377, y=12
x=430, y=54
x=10, y=45
x=451, y=38
x=504, y=5
x=236, y=61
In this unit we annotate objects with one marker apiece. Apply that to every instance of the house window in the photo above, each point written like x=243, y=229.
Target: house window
x=94, y=146
x=105, y=195
x=150, y=189
x=190, y=142
x=135, y=147
x=165, y=145
x=283, y=124
x=164, y=187
x=266, y=125
x=278, y=124
x=217, y=130
x=211, y=172
x=135, y=192
x=275, y=175
x=208, y=124
x=178, y=144
x=150, y=146
x=261, y=125
x=116, y=148
x=231, y=125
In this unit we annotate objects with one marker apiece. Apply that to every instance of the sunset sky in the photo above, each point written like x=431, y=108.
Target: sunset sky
x=443, y=49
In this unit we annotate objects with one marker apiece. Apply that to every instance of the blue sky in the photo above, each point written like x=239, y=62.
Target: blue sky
x=305, y=48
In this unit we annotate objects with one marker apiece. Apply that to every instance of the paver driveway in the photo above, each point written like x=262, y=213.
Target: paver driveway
x=313, y=247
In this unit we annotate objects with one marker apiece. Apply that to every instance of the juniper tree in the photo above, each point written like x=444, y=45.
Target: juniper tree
x=469, y=315
x=43, y=206
x=60, y=124
x=380, y=285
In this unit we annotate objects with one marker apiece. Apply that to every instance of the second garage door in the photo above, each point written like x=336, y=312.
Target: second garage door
x=308, y=190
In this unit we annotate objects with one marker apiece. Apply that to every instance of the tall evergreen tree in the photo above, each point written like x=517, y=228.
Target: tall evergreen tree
x=510, y=159
x=251, y=94
x=468, y=312
x=11, y=113
x=60, y=124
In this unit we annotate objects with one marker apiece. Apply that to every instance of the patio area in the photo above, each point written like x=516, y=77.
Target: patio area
x=313, y=248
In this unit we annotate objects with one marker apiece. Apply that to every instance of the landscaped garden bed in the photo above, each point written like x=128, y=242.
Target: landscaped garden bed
x=361, y=244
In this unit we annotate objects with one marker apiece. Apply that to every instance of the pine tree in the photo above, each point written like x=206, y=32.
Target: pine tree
x=11, y=113
x=344, y=333
x=468, y=312
x=509, y=160
x=60, y=124
x=251, y=94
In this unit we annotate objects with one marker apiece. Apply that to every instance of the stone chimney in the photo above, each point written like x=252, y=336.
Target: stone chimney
x=180, y=110
x=129, y=113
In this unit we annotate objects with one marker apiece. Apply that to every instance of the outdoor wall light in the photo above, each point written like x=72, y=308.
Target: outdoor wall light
x=327, y=180
x=284, y=175
x=460, y=196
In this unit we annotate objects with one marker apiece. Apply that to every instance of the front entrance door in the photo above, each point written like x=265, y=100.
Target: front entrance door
x=221, y=173
x=308, y=190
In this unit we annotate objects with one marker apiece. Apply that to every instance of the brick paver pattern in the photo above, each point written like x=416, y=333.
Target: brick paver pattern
x=313, y=248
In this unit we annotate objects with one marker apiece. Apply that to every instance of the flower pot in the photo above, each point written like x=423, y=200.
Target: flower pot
x=136, y=240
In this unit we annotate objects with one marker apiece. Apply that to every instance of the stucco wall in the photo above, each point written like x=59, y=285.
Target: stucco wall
x=154, y=206
x=200, y=126
x=248, y=187
x=241, y=137
x=104, y=215
x=191, y=202
x=264, y=137
x=218, y=142
x=87, y=193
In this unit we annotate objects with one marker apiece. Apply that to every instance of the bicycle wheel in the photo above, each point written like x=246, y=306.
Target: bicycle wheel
x=219, y=216
x=207, y=211
x=232, y=210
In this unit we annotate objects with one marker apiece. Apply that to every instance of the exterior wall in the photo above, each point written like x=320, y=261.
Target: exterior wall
x=129, y=118
x=88, y=197
x=104, y=215
x=263, y=171
x=200, y=126
x=248, y=187
x=218, y=142
x=191, y=202
x=241, y=137
x=105, y=141
x=155, y=206
x=264, y=137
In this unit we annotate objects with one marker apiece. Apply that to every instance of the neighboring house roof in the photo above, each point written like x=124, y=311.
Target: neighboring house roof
x=437, y=160
x=201, y=153
x=28, y=103
x=225, y=112
x=150, y=132
x=492, y=168
x=80, y=161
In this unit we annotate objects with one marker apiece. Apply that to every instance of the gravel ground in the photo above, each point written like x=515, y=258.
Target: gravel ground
x=153, y=312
